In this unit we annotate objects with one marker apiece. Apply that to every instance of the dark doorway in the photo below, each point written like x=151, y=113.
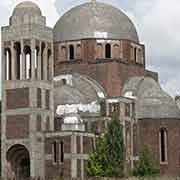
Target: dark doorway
x=19, y=162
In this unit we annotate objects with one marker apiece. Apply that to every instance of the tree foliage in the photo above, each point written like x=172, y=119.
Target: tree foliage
x=116, y=150
x=146, y=165
x=108, y=158
x=98, y=160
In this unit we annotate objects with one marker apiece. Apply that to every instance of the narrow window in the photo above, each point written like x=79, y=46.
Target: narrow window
x=47, y=99
x=163, y=145
x=38, y=125
x=61, y=152
x=99, y=51
x=36, y=62
x=54, y=152
x=47, y=124
x=71, y=52
x=135, y=54
x=63, y=53
x=18, y=66
x=108, y=51
x=42, y=60
x=48, y=64
x=39, y=99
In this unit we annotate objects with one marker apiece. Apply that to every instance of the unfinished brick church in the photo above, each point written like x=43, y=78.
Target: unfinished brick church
x=61, y=86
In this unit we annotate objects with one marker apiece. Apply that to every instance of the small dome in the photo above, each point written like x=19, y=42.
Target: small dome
x=27, y=7
x=151, y=101
x=95, y=20
x=69, y=95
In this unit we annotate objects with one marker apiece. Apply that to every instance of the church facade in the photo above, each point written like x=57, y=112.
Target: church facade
x=61, y=86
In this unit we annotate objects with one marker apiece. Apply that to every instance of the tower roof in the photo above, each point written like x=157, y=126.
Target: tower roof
x=27, y=7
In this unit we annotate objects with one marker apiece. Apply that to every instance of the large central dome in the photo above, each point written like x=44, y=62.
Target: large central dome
x=94, y=20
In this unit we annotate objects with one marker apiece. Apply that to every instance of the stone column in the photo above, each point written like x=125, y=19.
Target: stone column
x=73, y=151
x=132, y=143
x=4, y=62
x=51, y=71
x=13, y=61
x=23, y=56
x=45, y=59
x=33, y=58
x=82, y=160
x=39, y=61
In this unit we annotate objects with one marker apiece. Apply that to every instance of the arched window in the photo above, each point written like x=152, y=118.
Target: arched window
x=42, y=60
x=47, y=124
x=54, y=148
x=27, y=51
x=36, y=62
x=116, y=51
x=18, y=57
x=71, y=52
x=163, y=145
x=63, y=53
x=135, y=54
x=78, y=51
x=61, y=152
x=49, y=64
x=108, y=51
x=99, y=51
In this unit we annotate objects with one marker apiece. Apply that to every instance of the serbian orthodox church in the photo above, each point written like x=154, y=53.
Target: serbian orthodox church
x=61, y=86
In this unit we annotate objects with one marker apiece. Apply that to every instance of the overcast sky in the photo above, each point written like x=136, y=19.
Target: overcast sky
x=157, y=23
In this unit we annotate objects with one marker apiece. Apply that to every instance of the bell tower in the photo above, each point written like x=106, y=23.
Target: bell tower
x=27, y=99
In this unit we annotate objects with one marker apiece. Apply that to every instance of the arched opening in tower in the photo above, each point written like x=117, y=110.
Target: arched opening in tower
x=18, y=163
x=49, y=64
x=8, y=64
x=27, y=51
x=108, y=51
x=18, y=57
x=71, y=52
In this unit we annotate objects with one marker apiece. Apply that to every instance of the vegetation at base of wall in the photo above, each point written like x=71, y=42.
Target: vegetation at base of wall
x=146, y=167
x=108, y=158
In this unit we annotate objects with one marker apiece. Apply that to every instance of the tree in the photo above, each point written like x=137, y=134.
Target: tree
x=109, y=157
x=97, y=160
x=146, y=165
x=116, y=149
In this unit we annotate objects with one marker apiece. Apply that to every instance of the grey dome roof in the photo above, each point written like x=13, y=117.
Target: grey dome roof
x=94, y=20
x=27, y=7
x=68, y=95
x=151, y=101
x=82, y=90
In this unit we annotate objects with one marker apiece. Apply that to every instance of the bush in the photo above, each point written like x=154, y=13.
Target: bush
x=146, y=166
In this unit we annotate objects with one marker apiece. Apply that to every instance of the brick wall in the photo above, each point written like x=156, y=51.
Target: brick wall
x=59, y=169
x=110, y=73
x=17, y=98
x=17, y=127
x=149, y=135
